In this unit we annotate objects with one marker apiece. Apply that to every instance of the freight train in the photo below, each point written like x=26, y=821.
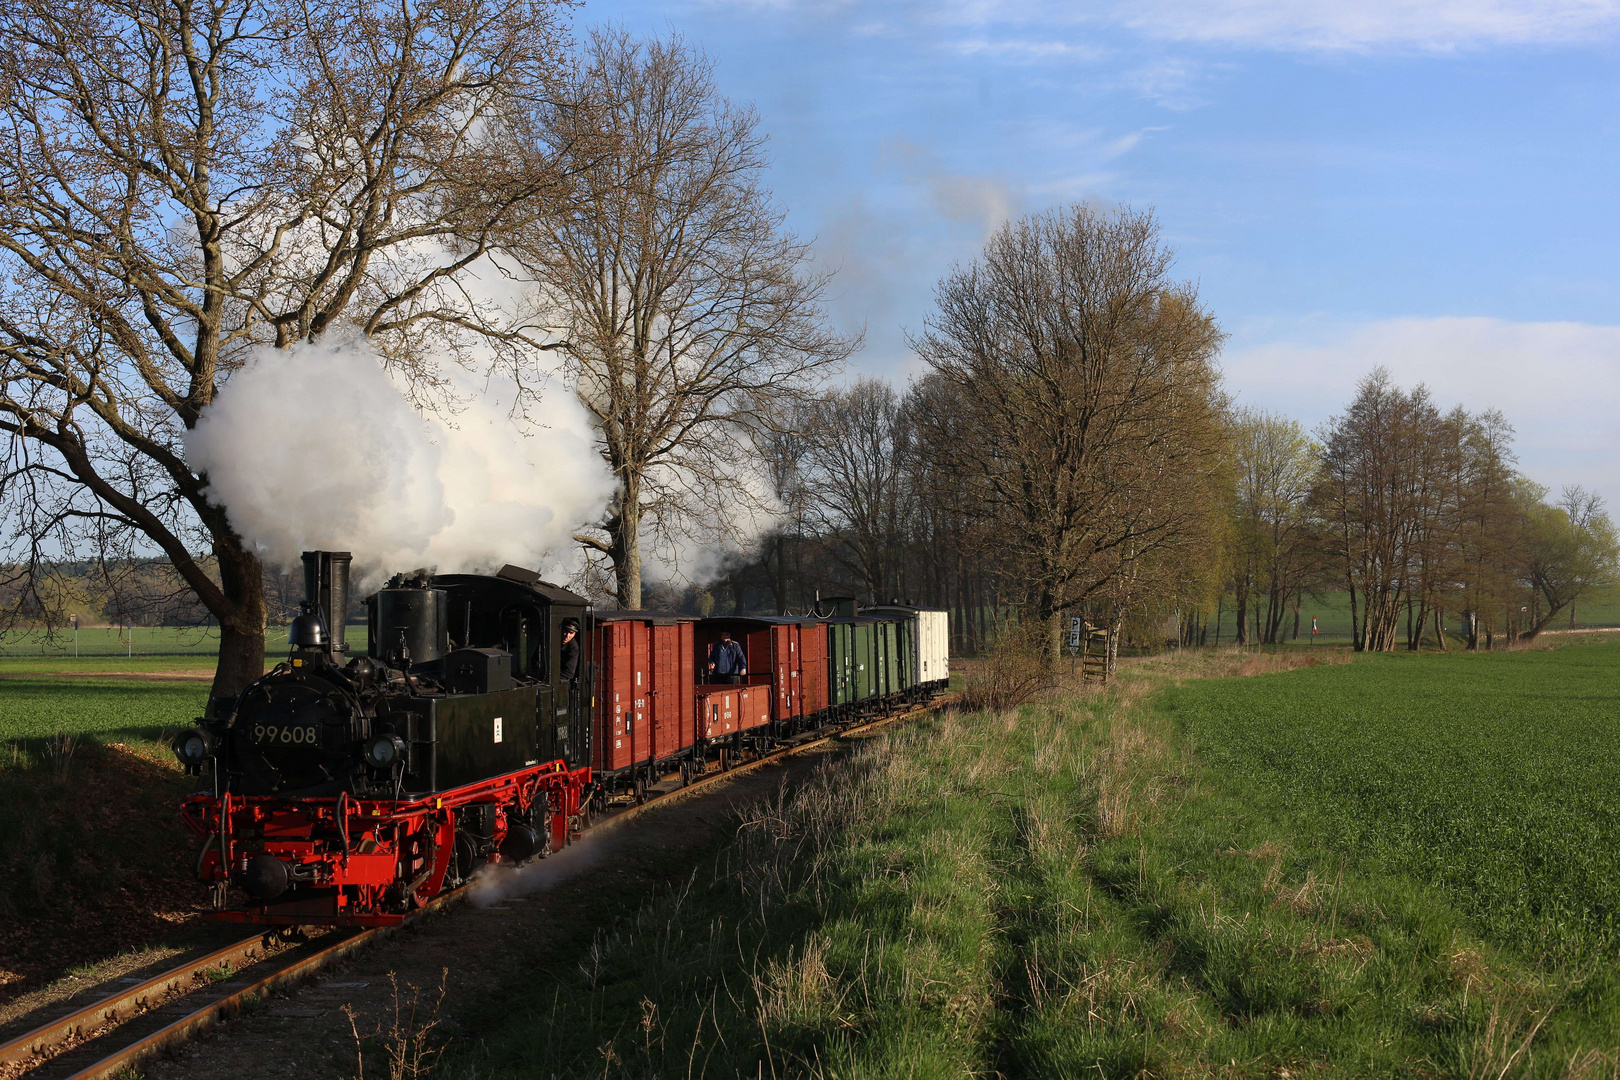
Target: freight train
x=476, y=729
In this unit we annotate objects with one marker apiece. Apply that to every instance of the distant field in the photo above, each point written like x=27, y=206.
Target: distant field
x=191, y=643
x=1333, y=620
x=1493, y=777
x=109, y=710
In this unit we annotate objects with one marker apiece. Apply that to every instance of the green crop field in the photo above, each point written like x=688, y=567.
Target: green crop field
x=104, y=709
x=1496, y=777
x=192, y=644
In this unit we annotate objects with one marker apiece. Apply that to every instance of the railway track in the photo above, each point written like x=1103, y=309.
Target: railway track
x=232, y=978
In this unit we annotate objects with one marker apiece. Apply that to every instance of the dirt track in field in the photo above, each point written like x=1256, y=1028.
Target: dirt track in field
x=590, y=886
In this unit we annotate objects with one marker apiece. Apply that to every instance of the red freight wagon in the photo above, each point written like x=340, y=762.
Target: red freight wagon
x=777, y=661
x=717, y=711
x=644, y=684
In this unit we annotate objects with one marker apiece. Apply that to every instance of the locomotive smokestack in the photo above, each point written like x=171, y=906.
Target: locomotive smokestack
x=326, y=586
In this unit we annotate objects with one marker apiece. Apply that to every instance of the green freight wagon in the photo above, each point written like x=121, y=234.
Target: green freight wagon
x=924, y=646
x=852, y=663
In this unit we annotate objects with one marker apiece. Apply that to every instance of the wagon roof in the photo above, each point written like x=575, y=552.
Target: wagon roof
x=763, y=620
x=661, y=618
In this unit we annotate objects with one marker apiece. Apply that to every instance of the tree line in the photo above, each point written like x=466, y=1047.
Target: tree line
x=184, y=185
x=1069, y=452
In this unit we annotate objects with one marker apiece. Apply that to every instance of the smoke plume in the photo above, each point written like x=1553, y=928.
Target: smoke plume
x=315, y=447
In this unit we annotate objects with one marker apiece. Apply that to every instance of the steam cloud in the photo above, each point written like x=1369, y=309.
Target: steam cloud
x=493, y=884
x=315, y=447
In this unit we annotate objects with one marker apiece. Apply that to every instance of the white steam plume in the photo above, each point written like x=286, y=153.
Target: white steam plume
x=315, y=447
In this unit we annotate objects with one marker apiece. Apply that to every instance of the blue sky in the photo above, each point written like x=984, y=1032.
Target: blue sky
x=1430, y=186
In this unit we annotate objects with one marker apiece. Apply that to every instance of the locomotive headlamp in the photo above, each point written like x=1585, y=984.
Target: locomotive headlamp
x=193, y=747
x=384, y=750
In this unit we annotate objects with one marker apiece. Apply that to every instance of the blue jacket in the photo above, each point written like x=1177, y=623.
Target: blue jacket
x=727, y=658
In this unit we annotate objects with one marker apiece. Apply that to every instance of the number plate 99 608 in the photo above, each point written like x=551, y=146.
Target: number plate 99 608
x=292, y=734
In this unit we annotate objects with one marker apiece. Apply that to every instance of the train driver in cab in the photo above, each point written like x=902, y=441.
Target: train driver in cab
x=568, y=669
x=727, y=662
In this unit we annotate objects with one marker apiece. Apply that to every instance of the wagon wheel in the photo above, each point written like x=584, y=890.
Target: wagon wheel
x=640, y=788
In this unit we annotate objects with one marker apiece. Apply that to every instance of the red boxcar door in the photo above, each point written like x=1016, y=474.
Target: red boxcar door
x=686, y=660
x=618, y=694
x=782, y=670
x=665, y=691
x=813, y=668
x=641, y=735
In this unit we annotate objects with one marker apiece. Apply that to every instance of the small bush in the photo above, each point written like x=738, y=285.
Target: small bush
x=1017, y=669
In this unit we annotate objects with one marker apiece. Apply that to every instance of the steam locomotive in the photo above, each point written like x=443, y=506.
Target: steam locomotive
x=353, y=790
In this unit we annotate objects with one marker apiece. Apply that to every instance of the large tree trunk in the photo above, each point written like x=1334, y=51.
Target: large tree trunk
x=1052, y=627
x=781, y=574
x=241, y=626
x=625, y=544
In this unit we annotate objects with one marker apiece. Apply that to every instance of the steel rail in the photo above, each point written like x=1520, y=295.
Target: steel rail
x=188, y=1027
x=43, y=1042
x=200, y=1020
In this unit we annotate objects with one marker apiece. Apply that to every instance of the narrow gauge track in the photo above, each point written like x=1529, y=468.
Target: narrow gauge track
x=37, y=1048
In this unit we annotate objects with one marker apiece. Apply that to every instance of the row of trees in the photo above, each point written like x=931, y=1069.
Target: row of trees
x=1061, y=453
x=1412, y=513
x=184, y=184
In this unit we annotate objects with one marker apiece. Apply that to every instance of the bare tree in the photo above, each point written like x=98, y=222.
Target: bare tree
x=182, y=182
x=1372, y=486
x=1087, y=399
x=687, y=313
x=857, y=482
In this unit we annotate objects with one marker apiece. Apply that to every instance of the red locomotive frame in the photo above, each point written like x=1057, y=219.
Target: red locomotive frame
x=380, y=858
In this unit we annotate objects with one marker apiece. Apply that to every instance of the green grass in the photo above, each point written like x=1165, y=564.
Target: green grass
x=181, y=646
x=1491, y=778
x=1056, y=892
x=1332, y=612
x=102, y=709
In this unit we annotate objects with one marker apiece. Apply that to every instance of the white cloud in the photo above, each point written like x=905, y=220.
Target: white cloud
x=1439, y=25
x=1309, y=25
x=1558, y=383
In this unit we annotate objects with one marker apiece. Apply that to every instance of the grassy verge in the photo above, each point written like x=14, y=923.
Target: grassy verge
x=93, y=857
x=1064, y=890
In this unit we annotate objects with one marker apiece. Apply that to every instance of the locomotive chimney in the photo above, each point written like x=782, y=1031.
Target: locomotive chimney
x=326, y=586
